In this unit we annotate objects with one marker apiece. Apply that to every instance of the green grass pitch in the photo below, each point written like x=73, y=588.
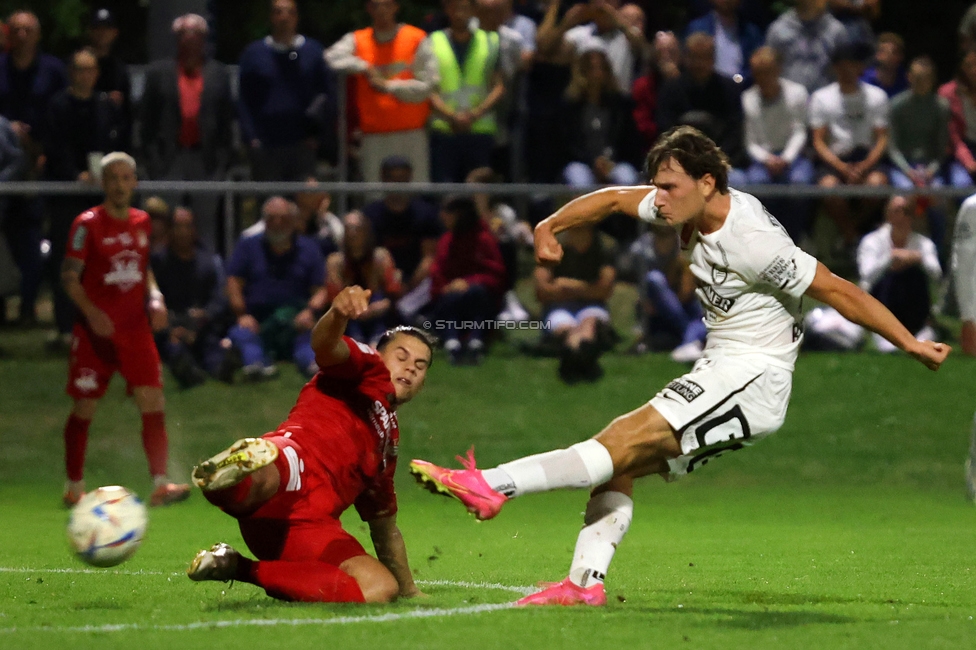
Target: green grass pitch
x=850, y=528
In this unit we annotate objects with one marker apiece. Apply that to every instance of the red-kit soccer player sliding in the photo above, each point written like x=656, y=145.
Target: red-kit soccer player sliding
x=337, y=448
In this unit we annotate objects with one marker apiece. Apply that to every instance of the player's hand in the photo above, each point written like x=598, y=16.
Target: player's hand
x=100, y=323
x=930, y=353
x=457, y=285
x=249, y=322
x=158, y=315
x=412, y=592
x=547, y=248
x=304, y=320
x=352, y=302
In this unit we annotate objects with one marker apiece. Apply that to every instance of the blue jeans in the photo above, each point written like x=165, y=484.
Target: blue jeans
x=794, y=214
x=684, y=320
x=958, y=176
x=579, y=174
x=252, y=348
x=474, y=305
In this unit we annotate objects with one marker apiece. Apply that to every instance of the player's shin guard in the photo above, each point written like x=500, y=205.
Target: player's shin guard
x=307, y=582
x=155, y=443
x=607, y=519
x=585, y=464
x=75, y=443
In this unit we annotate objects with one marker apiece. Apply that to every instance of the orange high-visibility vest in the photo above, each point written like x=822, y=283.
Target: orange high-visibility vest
x=382, y=112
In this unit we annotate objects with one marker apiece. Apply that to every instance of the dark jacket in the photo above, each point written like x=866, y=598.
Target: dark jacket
x=69, y=139
x=472, y=255
x=714, y=107
x=161, y=120
x=624, y=140
x=750, y=37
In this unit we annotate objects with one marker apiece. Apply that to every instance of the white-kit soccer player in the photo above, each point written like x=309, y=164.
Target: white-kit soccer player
x=751, y=280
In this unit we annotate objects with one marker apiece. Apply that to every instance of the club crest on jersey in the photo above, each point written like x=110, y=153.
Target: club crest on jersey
x=720, y=274
x=125, y=272
x=87, y=380
x=685, y=388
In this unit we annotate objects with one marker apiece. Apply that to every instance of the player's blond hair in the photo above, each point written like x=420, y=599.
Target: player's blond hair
x=116, y=157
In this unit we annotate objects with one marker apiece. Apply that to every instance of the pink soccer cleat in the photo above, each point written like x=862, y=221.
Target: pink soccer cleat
x=566, y=593
x=466, y=485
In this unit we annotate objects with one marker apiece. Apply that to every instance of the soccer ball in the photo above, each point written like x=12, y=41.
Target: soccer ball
x=107, y=526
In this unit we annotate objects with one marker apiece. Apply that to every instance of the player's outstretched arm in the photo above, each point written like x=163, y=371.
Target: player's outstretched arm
x=860, y=307
x=392, y=552
x=589, y=208
x=327, y=343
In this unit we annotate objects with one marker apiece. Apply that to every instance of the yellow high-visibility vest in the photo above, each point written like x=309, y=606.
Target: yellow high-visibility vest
x=466, y=90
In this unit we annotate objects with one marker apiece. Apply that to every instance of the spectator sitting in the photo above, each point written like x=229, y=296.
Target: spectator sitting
x=362, y=263
x=463, y=128
x=82, y=124
x=287, y=97
x=964, y=272
x=599, y=134
x=467, y=279
x=314, y=220
x=849, y=119
x=113, y=76
x=160, y=218
x=705, y=99
x=408, y=228
x=671, y=308
x=775, y=111
x=888, y=73
x=961, y=94
x=806, y=38
x=574, y=297
x=276, y=287
x=895, y=266
x=192, y=281
x=187, y=115
x=735, y=39
x=392, y=79
x=29, y=79
x=919, y=141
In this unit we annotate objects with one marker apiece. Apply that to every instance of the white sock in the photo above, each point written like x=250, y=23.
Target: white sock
x=162, y=479
x=585, y=464
x=607, y=519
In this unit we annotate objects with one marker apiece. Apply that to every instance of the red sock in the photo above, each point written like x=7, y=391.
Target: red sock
x=154, y=442
x=307, y=582
x=75, y=443
x=230, y=496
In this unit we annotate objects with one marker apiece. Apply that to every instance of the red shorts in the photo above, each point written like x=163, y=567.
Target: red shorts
x=132, y=352
x=301, y=522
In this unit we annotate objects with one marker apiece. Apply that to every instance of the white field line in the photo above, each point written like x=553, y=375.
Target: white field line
x=272, y=622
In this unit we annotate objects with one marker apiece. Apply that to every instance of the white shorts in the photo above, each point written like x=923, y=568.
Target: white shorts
x=725, y=403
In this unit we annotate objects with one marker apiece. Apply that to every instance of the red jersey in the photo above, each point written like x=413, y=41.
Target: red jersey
x=116, y=256
x=345, y=409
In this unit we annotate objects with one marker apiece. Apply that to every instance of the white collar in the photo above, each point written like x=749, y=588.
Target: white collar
x=295, y=44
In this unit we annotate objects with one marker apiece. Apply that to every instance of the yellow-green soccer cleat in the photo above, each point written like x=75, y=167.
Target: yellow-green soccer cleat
x=230, y=466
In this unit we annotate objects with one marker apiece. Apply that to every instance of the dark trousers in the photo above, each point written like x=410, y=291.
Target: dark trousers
x=63, y=210
x=22, y=227
x=472, y=307
x=454, y=155
x=906, y=294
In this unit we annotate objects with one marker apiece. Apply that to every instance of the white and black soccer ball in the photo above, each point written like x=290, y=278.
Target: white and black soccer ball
x=107, y=526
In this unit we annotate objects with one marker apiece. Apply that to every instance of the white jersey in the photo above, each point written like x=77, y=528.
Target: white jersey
x=751, y=279
x=964, y=259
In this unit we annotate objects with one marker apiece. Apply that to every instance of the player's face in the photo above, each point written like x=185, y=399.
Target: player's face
x=407, y=359
x=119, y=181
x=680, y=197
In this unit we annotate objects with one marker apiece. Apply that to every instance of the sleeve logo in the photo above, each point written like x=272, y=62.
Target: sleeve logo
x=78, y=242
x=779, y=272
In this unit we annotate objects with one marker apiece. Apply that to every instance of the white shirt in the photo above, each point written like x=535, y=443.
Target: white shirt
x=751, y=279
x=851, y=119
x=778, y=127
x=618, y=51
x=964, y=259
x=874, y=255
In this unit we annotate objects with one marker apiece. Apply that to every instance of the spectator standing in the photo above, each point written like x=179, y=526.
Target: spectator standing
x=849, y=120
x=666, y=65
x=468, y=279
x=896, y=266
x=362, y=263
x=856, y=16
x=598, y=129
x=29, y=79
x=276, y=288
x=106, y=273
x=735, y=38
x=187, y=115
x=287, y=97
x=82, y=124
x=392, y=81
x=703, y=98
x=964, y=272
x=192, y=281
x=775, y=110
x=961, y=94
x=574, y=297
x=113, y=75
x=888, y=71
x=463, y=128
x=806, y=38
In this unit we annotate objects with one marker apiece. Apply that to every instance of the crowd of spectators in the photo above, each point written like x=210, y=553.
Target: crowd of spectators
x=547, y=91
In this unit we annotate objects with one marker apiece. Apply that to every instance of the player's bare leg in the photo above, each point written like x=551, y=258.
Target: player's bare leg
x=375, y=580
x=151, y=402
x=75, y=444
